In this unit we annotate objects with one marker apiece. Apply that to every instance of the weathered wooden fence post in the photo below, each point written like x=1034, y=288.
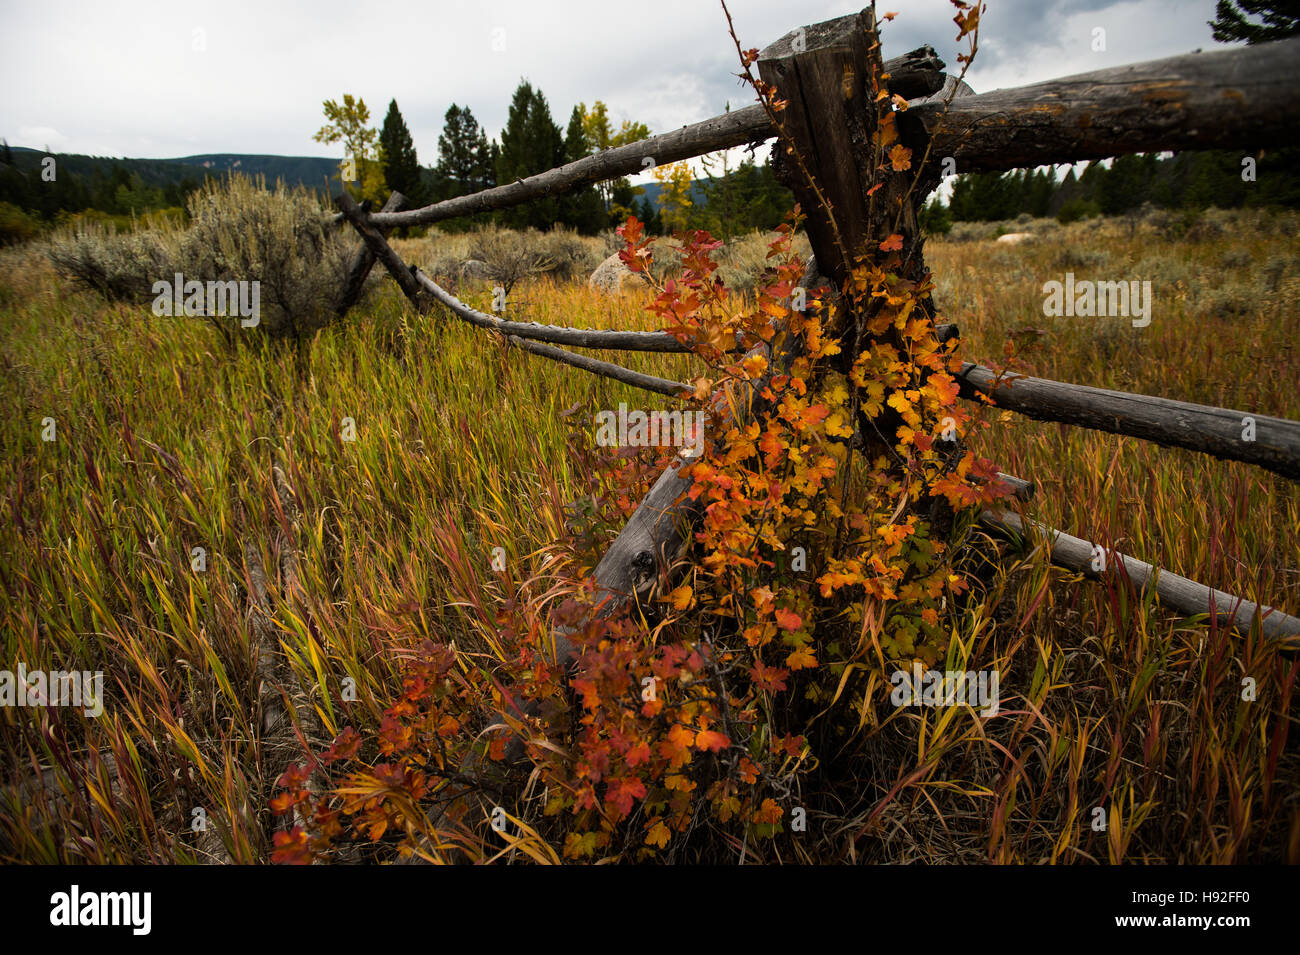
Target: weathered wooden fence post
x=823, y=74
x=834, y=157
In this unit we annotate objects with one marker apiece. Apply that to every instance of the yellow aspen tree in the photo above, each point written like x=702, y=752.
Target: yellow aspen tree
x=675, y=194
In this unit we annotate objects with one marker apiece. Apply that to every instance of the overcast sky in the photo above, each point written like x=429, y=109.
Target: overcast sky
x=174, y=78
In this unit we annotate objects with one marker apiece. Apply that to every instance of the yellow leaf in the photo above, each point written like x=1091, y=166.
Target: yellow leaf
x=658, y=835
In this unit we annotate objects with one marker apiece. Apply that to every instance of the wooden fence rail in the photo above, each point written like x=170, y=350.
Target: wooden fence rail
x=1186, y=596
x=1274, y=443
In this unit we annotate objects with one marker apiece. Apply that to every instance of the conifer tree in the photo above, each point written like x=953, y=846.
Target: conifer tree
x=401, y=167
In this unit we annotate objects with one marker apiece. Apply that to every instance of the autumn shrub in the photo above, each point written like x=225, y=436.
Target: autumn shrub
x=609, y=243
x=1277, y=267
x=743, y=260
x=1235, y=260
x=238, y=231
x=1232, y=299
x=1073, y=257
x=572, y=256
x=970, y=231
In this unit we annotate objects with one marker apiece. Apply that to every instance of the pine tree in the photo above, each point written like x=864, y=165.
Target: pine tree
x=982, y=197
x=1281, y=19
x=401, y=167
x=531, y=143
x=582, y=208
x=466, y=161
x=934, y=218
x=647, y=214
x=722, y=211
x=465, y=158
x=1044, y=188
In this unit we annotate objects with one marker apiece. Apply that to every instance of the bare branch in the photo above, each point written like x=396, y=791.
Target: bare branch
x=604, y=369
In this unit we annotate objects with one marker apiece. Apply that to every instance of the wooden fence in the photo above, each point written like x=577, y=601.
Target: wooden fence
x=1236, y=98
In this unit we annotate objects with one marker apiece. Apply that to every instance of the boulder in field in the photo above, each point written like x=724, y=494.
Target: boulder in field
x=473, y=270
x=611, y=275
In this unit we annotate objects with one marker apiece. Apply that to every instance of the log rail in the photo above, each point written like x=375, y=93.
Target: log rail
x=1233, y=98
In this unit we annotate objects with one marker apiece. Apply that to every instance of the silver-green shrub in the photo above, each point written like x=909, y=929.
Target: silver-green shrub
x=241, y=231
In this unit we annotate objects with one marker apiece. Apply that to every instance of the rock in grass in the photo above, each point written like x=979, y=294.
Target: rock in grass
x=611, y=274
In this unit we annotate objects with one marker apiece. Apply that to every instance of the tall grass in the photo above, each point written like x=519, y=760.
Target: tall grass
x=167, y=442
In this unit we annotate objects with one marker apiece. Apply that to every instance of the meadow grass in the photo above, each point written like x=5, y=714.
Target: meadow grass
x=167, y=440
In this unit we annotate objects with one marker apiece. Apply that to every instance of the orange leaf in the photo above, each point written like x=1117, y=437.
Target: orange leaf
x=283, y=803
x=710, y=740
x=892, y=244
x=801, y=659
x=621, y=793
x=769, y=679
x=640, y=753
x=291, y=848
x=770, y=812
x=680, y=598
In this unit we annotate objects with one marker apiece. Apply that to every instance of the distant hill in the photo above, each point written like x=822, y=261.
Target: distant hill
x=310, y=171
x=653, y=189
x=155, y=173
x=314, y=172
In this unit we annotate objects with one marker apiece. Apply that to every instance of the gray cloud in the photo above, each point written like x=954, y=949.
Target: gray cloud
x=157, y=78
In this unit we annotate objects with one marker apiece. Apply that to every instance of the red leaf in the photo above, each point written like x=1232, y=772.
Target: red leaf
x=291, y=848
x=621, y=793
x=788, y=619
